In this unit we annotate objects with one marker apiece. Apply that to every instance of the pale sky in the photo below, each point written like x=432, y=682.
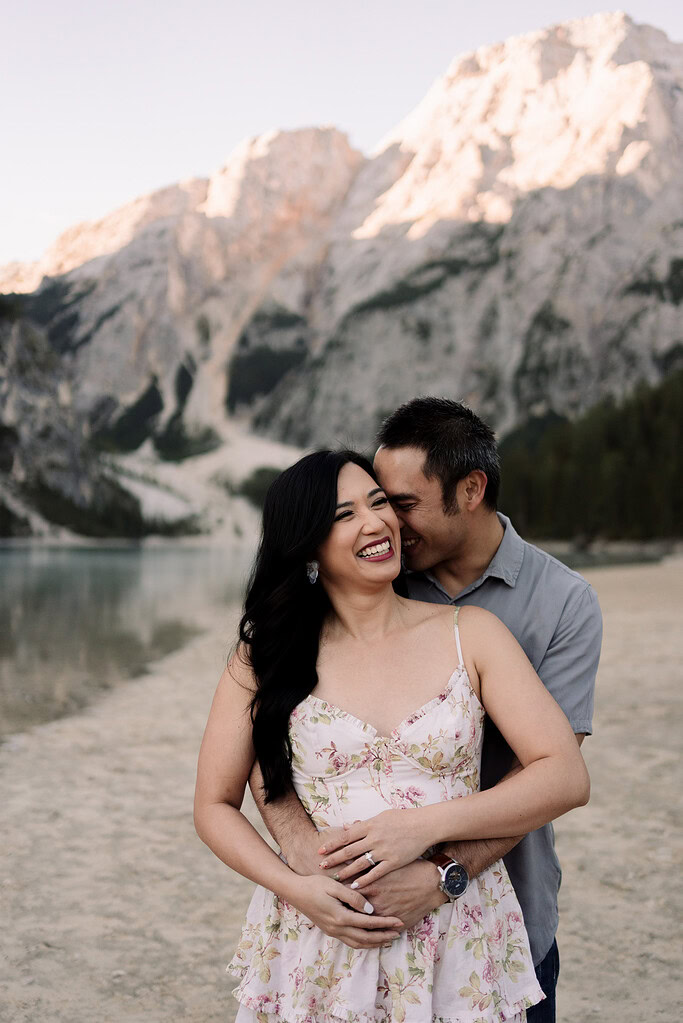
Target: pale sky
x=105, y=100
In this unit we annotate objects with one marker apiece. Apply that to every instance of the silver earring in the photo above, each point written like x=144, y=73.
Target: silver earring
x=312, y=571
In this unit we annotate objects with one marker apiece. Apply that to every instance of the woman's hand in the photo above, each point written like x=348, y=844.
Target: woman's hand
x=393, y=839
x=326, y=904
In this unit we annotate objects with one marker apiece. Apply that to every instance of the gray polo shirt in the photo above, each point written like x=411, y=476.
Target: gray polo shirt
x=555, y=617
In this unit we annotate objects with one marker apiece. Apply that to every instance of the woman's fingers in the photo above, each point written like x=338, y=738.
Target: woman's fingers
x=332, y=838
x=362, y=922
x=358, y=912
x=366, y=939
x=361, y=912
x=353, y=868
x=372, y=875
x=340, y=838
x=353, y=899
x=347, y=852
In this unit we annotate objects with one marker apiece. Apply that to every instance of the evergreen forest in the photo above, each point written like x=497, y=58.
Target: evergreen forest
x=615, y=473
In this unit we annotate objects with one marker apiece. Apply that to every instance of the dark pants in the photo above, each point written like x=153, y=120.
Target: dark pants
x=547, y=973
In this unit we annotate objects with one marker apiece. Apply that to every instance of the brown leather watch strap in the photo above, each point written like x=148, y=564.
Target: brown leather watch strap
x=440, y=859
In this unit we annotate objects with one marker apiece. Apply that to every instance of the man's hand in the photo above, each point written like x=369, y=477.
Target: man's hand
x=413, y=891
x=409, y=893
x=302, y=850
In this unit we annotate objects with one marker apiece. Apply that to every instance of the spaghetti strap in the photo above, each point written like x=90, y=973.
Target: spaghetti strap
x=461, y=663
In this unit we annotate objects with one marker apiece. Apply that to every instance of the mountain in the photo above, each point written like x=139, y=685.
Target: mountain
x=127, y=339
x=516, y=242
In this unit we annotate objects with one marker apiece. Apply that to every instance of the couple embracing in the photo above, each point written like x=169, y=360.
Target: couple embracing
x=408, y=737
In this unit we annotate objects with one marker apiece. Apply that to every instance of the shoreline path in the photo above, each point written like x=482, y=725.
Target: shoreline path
x=114, y=912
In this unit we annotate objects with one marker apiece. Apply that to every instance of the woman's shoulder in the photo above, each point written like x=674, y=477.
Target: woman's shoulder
x=481, y=630
x=477, y=616
x=431, y=618
x=476, y=621
x=423, y=610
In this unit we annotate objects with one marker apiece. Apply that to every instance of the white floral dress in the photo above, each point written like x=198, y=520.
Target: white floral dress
x=466, y=962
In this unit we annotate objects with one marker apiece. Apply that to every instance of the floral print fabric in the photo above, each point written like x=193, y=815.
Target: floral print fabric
x=467, y=962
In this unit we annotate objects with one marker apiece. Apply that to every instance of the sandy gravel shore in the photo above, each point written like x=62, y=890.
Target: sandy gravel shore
x=114, y=912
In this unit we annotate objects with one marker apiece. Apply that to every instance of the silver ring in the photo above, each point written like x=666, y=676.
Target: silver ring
x=368, y=856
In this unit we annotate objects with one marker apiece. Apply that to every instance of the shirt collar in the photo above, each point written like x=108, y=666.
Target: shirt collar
x=504, y=565
x=507, y=561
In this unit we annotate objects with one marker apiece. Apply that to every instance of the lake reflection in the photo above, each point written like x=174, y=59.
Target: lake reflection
x=74, y=622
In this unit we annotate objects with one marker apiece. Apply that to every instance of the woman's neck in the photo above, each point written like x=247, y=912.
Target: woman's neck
x=365, y=616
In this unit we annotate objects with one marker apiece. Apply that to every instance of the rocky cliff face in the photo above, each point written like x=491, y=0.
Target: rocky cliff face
x=145, y=307
x=140, y=312
x=517, y=242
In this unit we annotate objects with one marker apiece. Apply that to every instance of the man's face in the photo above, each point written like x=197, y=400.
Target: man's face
x=428, y=534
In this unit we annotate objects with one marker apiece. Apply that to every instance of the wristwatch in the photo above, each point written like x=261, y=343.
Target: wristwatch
x=454, y=877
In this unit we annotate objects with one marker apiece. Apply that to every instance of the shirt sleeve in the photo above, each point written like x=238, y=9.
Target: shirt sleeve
x=570, y=664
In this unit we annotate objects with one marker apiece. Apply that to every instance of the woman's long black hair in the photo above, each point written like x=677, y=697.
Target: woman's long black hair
x=284, y=613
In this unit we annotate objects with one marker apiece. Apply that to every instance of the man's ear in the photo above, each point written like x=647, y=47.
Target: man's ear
x=473, y=489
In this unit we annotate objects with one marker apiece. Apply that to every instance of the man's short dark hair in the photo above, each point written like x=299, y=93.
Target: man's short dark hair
x=455, y=441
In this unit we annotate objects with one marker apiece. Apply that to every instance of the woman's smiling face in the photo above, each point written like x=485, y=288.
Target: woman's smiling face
x=363, y=546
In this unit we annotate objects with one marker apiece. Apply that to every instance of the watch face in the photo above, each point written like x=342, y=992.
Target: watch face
x=456, y=880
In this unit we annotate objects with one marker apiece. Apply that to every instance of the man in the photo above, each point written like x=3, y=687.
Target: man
x=438, y=464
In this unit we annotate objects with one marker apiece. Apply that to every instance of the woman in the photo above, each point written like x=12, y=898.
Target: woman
x=339, y=688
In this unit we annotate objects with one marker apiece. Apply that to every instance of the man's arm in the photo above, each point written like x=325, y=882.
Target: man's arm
x=290, y=826
x=570, y=664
